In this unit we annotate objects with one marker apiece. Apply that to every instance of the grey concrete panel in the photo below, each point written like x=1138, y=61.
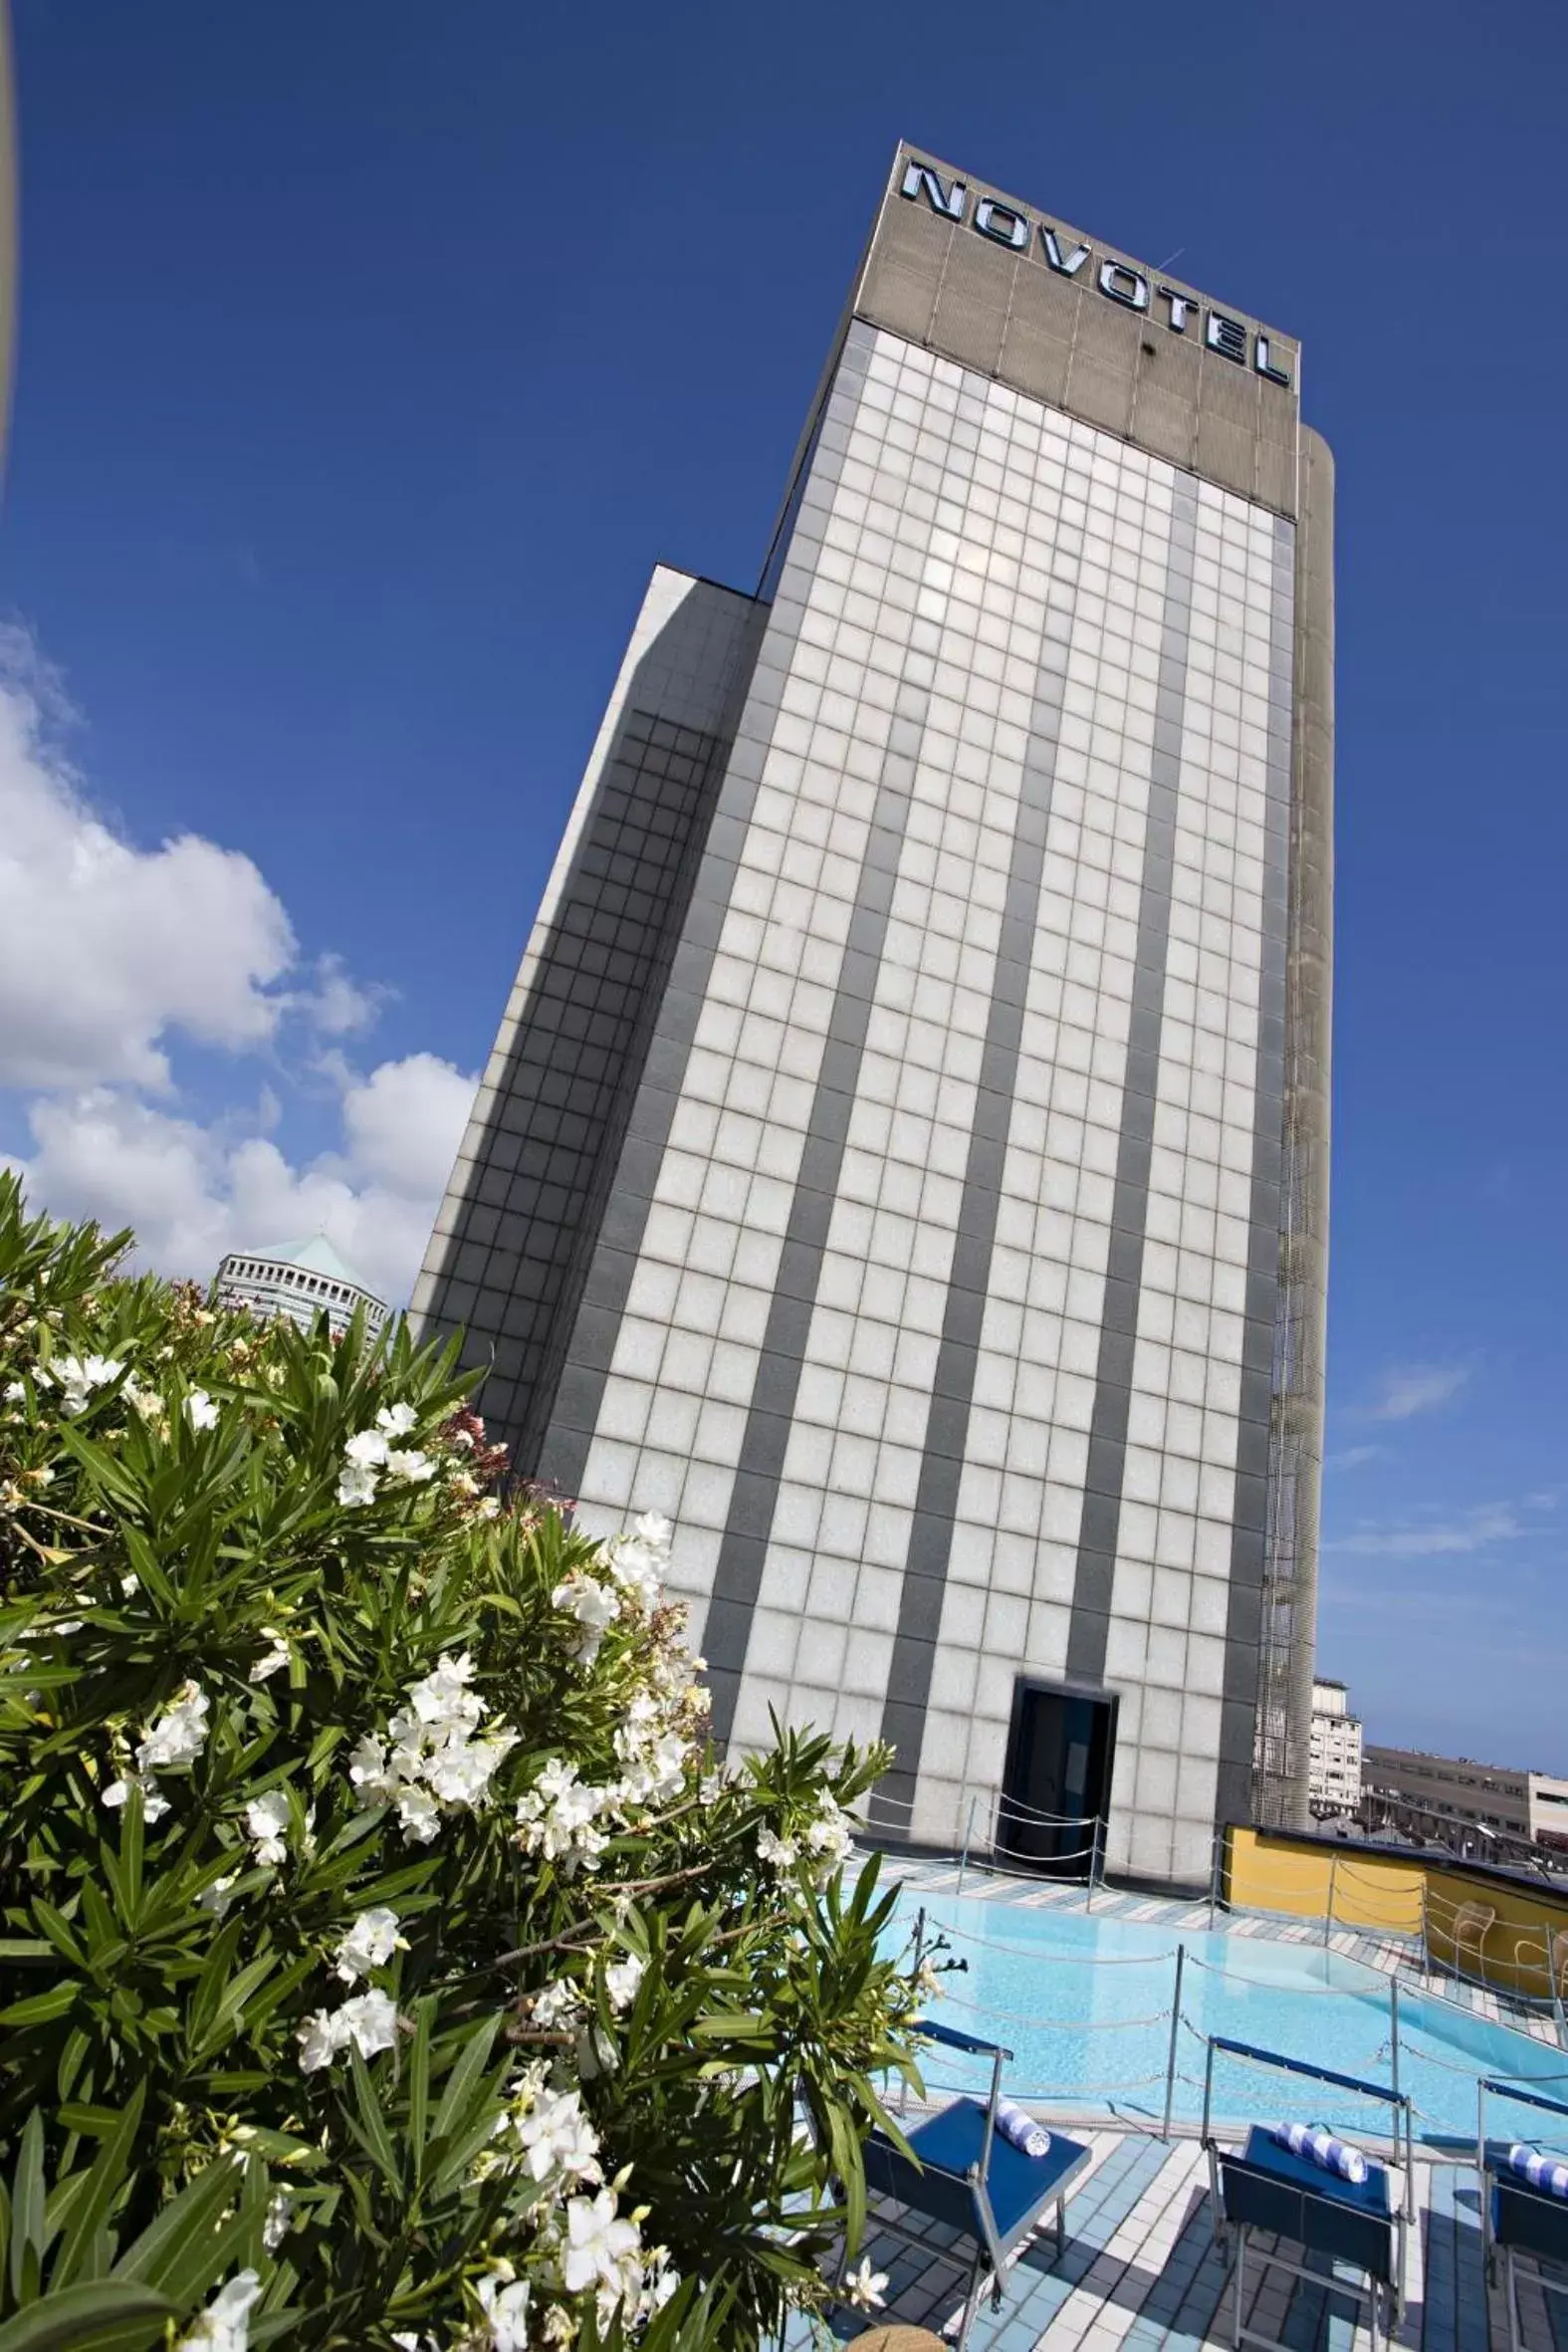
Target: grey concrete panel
x=1089, y=1626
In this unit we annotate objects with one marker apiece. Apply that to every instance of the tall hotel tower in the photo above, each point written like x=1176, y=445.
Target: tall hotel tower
x=903, y=1159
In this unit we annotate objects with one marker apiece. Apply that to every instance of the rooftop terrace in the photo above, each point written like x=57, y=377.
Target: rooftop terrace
x=1141, y=2269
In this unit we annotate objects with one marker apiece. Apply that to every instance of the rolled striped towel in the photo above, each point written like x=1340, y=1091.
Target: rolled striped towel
x=1017, y=2125
x=1542, y=2172
x=1318, y=2145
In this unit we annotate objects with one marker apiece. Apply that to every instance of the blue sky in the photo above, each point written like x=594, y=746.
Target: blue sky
x=371, y=356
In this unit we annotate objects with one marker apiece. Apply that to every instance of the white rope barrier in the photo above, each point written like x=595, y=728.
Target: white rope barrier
x=1039, y=1952
x=1080, y=2095
x=1058, y=2024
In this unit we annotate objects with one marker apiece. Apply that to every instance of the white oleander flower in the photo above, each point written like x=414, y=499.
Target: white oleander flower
x=367, y=1449
x=15, y=1393
x=200, y=1411
x=488, y=1508
x=780, y=1853
x=356, y=1484
x=558, y=1816
x=225, y=2326
x=866, y=2288
x=369, y=2022
x=409, y=1466
x=557, y=2003
x=556, y=2137
x=600, y=2248
x=460, y=1770
x=265, y=1819
x=418, y=1814
x=504, y=2300
x=659, y=2281
x=594, y=1605
x=658, y=1770
x=78, y=1376
x=621, y=1979
x=830, y=1838
x=271, y=1657
x=216, y=1898
x=369, y=1944
x=320, y=2041
x=396, y=1420
x=153, y=1806
x=367, y=1770
x=279, y=2219
x=129, y=1583
x=179, y=1735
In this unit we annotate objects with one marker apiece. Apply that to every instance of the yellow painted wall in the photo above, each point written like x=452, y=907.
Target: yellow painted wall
x=1304, y=1878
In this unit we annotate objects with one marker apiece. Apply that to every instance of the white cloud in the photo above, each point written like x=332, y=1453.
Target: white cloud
x=1473, y=1531
x=193, y=1191
x=110, y=953
x=105, y=947
x=1352, y=1458
x=1410, y=1389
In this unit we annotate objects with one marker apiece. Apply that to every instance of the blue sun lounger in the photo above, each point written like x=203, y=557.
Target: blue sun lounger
x=966, y=2175
x=1516, y=2217
x=1265, y=2188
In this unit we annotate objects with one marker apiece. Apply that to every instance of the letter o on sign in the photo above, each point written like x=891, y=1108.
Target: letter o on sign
x=1124, y=284
x=1002, y=222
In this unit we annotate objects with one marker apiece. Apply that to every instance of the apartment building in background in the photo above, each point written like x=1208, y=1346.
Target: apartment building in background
x=1335, y=1754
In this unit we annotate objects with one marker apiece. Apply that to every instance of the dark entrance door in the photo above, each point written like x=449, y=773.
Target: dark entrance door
x=1057, y=1787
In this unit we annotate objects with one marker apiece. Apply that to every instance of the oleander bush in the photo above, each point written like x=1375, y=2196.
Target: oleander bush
x=384, y=1961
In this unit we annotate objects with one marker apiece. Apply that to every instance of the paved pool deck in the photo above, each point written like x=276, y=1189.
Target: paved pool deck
x=1141, y=2269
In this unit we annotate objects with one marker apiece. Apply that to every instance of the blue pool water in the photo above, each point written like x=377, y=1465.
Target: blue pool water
x=1084, y=2005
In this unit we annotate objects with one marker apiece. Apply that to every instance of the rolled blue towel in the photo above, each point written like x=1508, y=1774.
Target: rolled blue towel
x=1542, y=2172
x=1318, y=2145
x=1017, y=2125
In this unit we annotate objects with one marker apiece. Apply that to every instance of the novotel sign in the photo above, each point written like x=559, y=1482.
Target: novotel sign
x=1118, y=281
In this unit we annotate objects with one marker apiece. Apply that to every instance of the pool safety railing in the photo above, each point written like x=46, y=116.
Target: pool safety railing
x=1522, y=1963
x=1081, y=1860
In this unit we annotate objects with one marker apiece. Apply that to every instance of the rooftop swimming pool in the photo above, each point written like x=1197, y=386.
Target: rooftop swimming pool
x=1085, y=2006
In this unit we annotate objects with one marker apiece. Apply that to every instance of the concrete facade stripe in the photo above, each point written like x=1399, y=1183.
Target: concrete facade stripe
x=1248, y=1541
x=743, y=1547
x=953, y=1387
x=581, y=1391
x=1090, y=1624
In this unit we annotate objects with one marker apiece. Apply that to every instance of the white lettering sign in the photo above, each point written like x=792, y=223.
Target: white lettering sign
x=1118, y=281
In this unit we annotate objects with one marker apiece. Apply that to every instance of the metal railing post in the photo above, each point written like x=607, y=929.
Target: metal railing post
x=1175, y=2028
x=1213, y=1878
x=1394, y=2034
x=1328, y=1916
x=968, y=1831
x=1554, y=1975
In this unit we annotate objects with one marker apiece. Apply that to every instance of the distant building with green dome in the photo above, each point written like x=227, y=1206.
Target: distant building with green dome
x=303, y=1283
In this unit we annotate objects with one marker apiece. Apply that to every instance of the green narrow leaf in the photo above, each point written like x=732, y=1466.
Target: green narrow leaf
x=40, y=2007
x=235, y=1995
x=190, y=2219
x=419, y=2087
x=28, y=2206
x=58, y=1931
x=374, y=2134
x=104, y=2315
x=471, y=2064
x=102, y=2187
x=202, y=2005
x=845, y=2146
x=132, y=1838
